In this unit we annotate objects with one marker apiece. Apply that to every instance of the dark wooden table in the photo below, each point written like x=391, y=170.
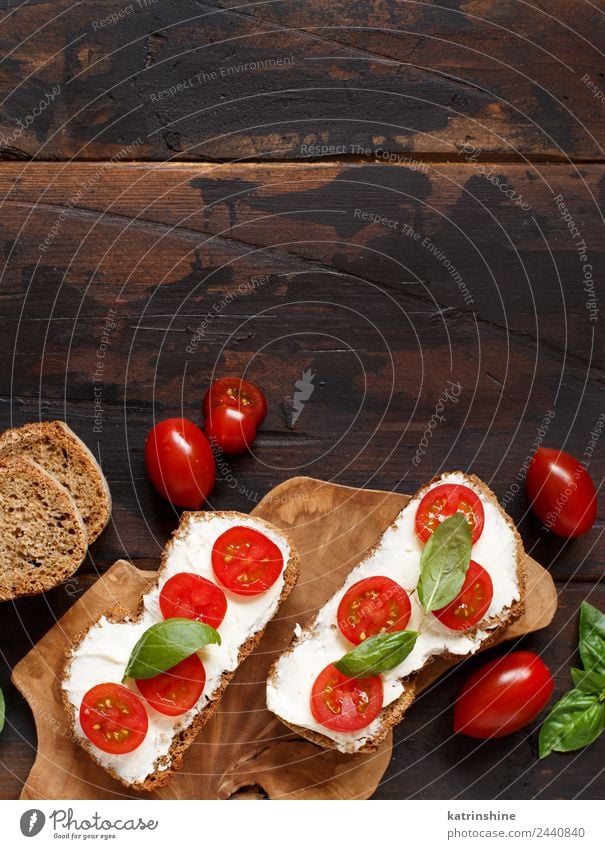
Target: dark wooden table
x=379, y=193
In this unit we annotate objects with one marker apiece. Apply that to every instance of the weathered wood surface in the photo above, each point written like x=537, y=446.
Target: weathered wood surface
x=277, y=275
x=208, y=81
x=269, y=268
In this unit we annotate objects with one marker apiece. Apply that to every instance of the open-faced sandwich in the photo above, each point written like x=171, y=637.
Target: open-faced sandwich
x=139, y=689
x=443, y=581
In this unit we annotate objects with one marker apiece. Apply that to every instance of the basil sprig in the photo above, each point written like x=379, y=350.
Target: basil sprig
x=377, y=654
x=592, y=638
x=2, y=710
x=444, y=563
x=588, y=682
x=579, y=717
x=167, y=643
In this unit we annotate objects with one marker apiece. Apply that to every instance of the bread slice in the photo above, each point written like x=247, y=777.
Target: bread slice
x=279, y=682
x=96, y=656
x=43, y=539
x=55, y=447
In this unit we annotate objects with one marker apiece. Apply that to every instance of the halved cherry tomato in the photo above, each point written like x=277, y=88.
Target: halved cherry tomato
x=177, y=690
x=113, y=718
x=180, y=462
x=230, y=429
x=472, y=602
x=561, y=492
x=239, y=393
x=193, y=597
x=445, y=500
x=503, y=696
x=345, y=704
x=246, y=561
x=373, y=606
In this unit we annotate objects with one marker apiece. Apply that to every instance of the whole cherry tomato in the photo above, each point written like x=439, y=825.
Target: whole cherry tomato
x=561, y=492
x=180, y=462
x=230, y=429
x=503, y=696
x=239, y=393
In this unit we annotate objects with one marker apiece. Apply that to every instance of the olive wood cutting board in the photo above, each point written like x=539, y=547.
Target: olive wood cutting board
x=243, y=752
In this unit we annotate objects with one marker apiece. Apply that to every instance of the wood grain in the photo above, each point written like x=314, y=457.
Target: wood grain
x=244, y=746
x=271, y=262
x=277, y=80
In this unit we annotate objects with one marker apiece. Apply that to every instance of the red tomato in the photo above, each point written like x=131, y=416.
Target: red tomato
x=239, y=393
x=503, y=696
x=561, y=492
x=246, y=561
x=180, y=462
x=345, y=704
x=373, y=606
x=445, y=500
x=472, y=602
x=177, y=690
x=113, y=718
x=193, y=597
x=230, y=429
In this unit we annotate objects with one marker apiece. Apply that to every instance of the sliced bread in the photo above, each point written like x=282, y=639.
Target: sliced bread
x=55, y=447
x=397, y=555
x=43, y=538
x=100, y=654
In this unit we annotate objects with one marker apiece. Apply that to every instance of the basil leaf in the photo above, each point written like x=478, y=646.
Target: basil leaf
x=444, y=562
x=592, y=638
x=165, y=644
x=575, y=721
x=2, y=710
x=377, y=654
x=588, y=682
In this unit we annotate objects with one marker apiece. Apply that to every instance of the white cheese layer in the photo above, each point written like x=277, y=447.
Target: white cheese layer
x=397, y=556
x=103, y=654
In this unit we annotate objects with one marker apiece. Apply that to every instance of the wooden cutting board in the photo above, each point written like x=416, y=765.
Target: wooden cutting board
x=243, y=752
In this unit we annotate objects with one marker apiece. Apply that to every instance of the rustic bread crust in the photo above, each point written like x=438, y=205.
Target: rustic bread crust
x=393, y=713
x=181, y=741
x=29, y=440
x=52, y=567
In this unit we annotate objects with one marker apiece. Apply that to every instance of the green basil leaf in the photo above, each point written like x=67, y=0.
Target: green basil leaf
x=377, y=654
x=592, y=638
x=2, y=710
x=444, y=562
x=588, y=682
x=165, y=644
x=575, y=721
